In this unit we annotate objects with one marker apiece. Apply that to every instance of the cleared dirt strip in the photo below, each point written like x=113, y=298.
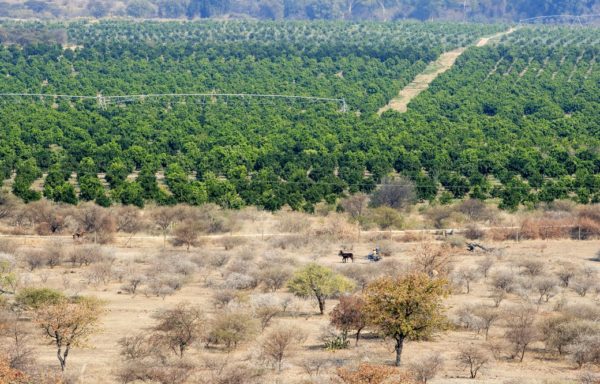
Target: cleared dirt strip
x=433, y=70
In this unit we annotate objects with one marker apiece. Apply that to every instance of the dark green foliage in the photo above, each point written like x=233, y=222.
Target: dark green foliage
x=512, y=121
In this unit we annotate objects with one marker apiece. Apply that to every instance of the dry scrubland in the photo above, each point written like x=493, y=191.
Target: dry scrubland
x=532, y=298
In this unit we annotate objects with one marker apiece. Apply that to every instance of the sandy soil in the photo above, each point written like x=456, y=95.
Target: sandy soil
x=127, y=315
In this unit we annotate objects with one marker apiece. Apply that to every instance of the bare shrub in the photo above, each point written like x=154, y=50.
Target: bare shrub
x=546, y=286
x=8, y=246
x=473, y=232
x=279, y=342
x=476, y=210
x=222, y=297
x=231, y=242
x=265, y=307
x=47, y=218
x=520, y=329
x=157, y=370
x=274, y=277
x=560, y=332
x=186, y=234
x=586, y=229
x=441, y=216
x=503, y=234
x=427, y=367
x=531, y=267
x=465, y=276
x=290, y=242
x=588, y=378
x=34, y=258
x=473, y=358
x=220, y=371
x=178, y=328
x=54, y=255
x=239, y=281
x=503, y=280
x=355, y=205
x=486, y=317
x=582, y=311
x=230, y=328
x=565, y=273
x=484, y=265
x=8, y=204
x=292, y=222
x=96, y=221
x=90, y=254
x=395, y=191
x=315, y=364
x=163, y=218
x=586, y=350
x=100, y=273
x=432, y=260
x=361, y=274
x=217, y=259
x=132, y=283
x=582, y=284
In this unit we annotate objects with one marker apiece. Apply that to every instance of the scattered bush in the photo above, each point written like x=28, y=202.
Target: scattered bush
x=426, y=368
x=473, y=359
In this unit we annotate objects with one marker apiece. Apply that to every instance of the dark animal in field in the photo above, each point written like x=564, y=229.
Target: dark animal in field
x=346, y=255
x=78, y=235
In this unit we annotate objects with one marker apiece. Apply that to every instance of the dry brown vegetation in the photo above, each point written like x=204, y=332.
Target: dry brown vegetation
x=224, y=311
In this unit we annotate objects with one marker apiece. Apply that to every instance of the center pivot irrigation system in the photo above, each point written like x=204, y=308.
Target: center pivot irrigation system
x=103, y=100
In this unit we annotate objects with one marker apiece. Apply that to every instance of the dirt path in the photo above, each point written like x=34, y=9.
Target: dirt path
x=433, y=70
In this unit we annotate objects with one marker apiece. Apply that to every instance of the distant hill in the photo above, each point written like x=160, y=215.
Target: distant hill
x=473, y=10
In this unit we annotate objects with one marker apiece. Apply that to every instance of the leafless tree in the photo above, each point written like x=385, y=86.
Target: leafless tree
x=559, y=332
x=133, y=282
x=431, y=260
x=473, y=358
x=484, y=265
x=427, y=367
x=589, y=378
x=278, y=343
x=163, y=218
x=532, y=267
x=265, y=308
x=274, y=277
x=546, y=287
x=355, y=205
x=503, y=280
x=395, y=192
x=186, y=233
x=97, y=221
x=497, y=295
x=230, y=328
x=8, y=204
x=586, y=349
x=465, y=276
x=487, y=317
x=582, y=284
x=520, y=329
x=566, y=273
x=179, y=328
x=34, y=258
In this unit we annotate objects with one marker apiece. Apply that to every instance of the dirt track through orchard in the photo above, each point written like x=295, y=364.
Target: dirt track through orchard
x=433, y=70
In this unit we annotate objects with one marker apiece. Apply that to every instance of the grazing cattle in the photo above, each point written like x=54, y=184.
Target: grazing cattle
x=346, y=255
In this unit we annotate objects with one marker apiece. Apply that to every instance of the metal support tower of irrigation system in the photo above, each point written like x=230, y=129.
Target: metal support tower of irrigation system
x=103, y=100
